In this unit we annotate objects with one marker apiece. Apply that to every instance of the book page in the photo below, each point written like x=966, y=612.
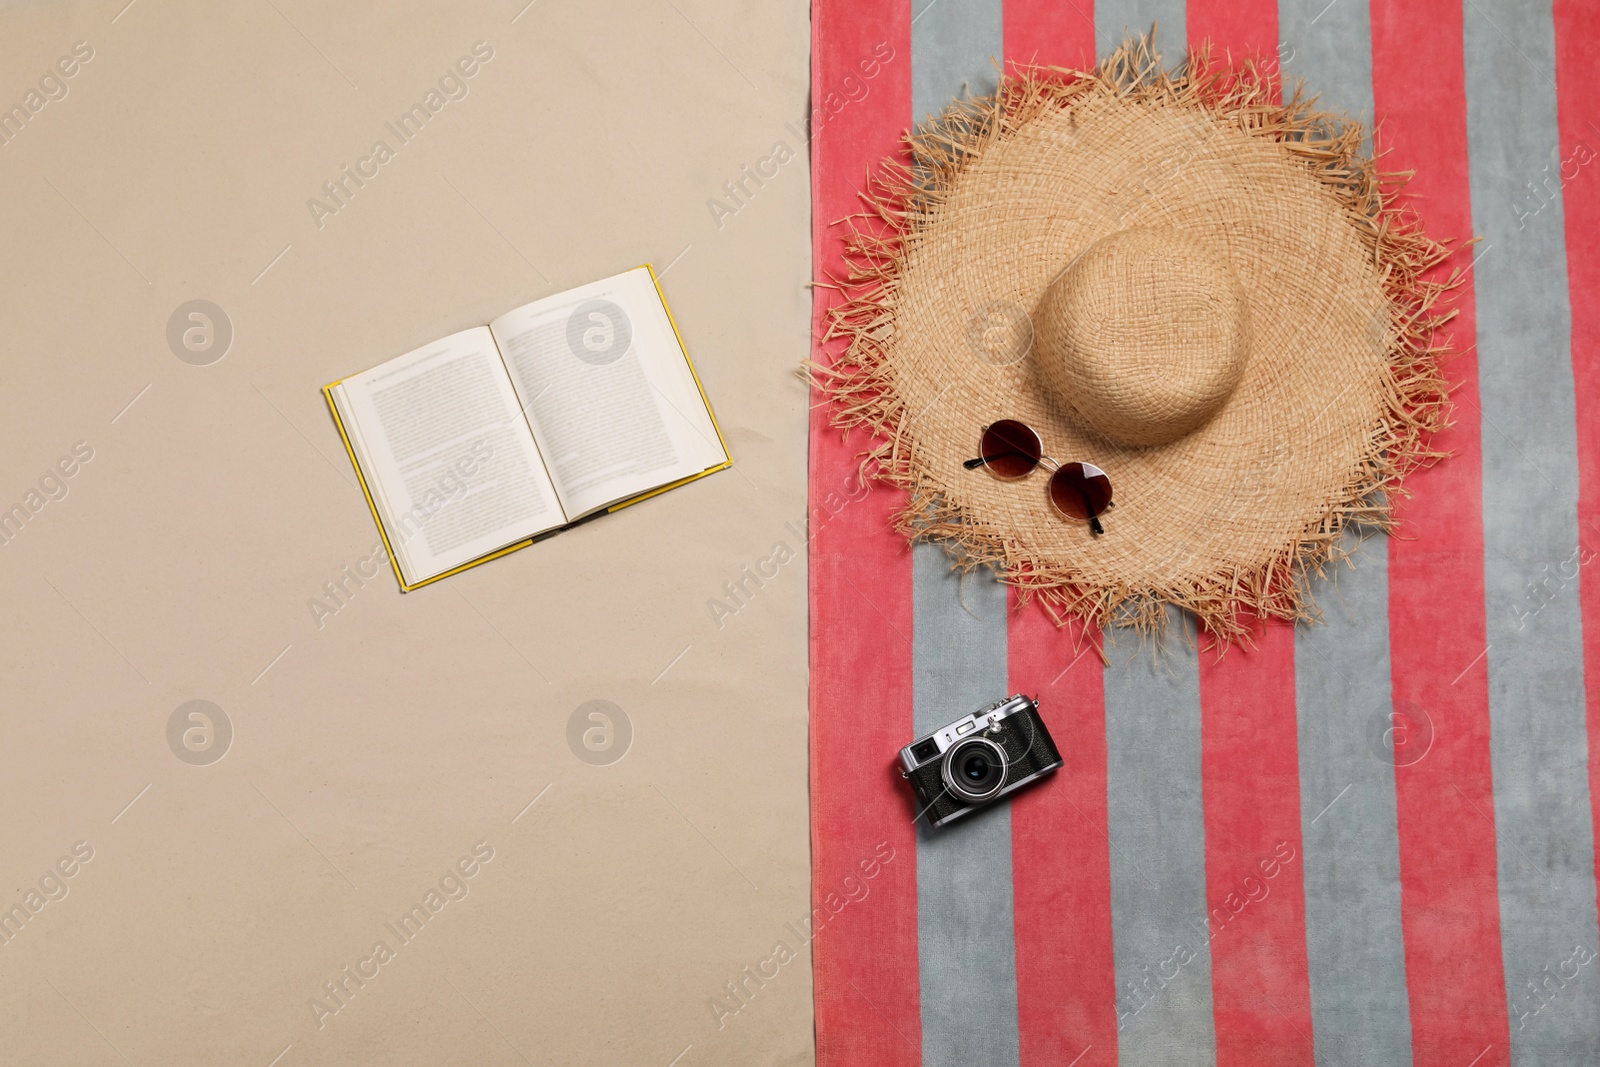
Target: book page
x=447, y=454
x=608, y=390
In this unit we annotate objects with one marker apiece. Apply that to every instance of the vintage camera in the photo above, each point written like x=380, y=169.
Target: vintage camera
x=979, y=758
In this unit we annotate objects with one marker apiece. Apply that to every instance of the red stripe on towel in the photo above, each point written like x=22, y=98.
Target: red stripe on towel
x=1061, y=871
x=1255, y=874
x=865, y=956
x=1049, y=33
x=1445, y=802
x=1061, y=887
x=1240, y=28
x=1577, y=29
x=1260, y=981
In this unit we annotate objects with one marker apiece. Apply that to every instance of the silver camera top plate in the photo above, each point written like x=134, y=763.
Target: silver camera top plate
x=964, y=727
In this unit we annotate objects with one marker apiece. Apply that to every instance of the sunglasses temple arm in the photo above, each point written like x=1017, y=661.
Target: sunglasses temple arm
x=974, y=464
x=1088, y=507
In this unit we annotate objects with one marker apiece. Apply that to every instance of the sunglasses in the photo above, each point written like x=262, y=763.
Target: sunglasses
x=1010, y=450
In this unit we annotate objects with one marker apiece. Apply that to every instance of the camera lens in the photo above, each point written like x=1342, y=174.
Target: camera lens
x=975, y=769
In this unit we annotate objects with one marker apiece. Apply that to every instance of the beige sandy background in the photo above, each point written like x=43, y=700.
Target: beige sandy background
x=376, y=747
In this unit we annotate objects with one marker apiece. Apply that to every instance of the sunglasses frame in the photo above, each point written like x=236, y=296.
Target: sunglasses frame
x=1089, y=471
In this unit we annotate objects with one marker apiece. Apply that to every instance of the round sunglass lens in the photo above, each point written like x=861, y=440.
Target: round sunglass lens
x=1080, y=491
x=1010, y=449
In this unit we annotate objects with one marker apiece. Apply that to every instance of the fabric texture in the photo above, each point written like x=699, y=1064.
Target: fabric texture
x=1369, y=841
x=617, y=714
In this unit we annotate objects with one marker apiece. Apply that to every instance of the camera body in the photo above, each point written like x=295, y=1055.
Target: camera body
x=974, y=761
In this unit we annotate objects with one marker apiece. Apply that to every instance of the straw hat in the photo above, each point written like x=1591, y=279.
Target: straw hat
x=1169, y=275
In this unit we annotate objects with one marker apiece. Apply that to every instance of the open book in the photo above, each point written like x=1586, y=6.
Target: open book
x=486, y=440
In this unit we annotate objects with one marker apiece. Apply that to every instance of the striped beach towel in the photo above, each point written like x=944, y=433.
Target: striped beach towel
x=1365, y=842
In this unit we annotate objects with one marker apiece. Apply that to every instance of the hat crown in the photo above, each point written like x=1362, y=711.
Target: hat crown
x=1144, y=336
